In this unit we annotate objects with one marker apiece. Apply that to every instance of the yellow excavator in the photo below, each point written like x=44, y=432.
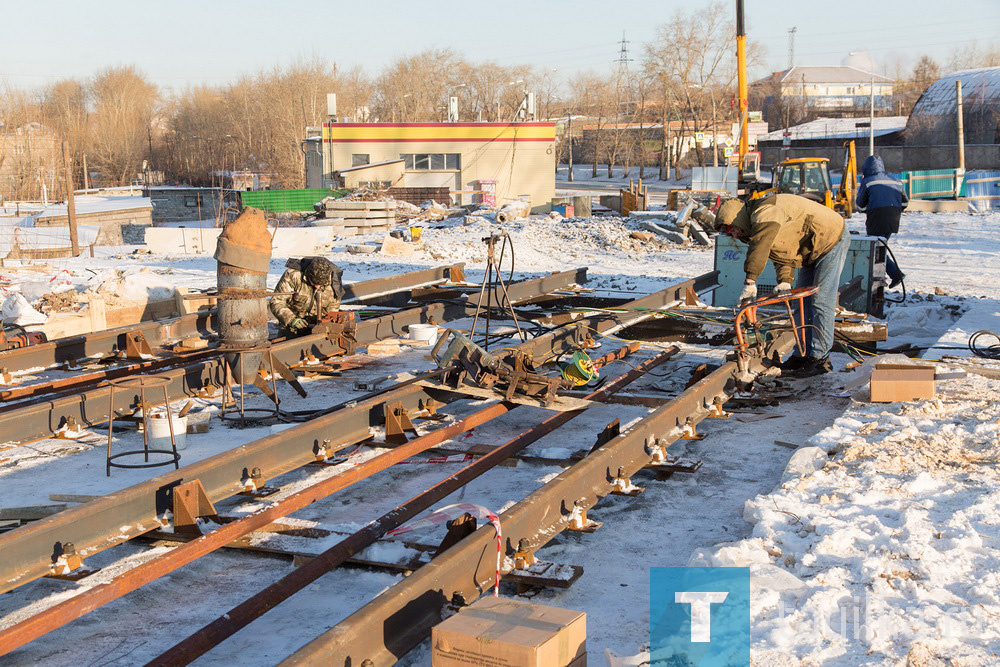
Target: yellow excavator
x=809, y=177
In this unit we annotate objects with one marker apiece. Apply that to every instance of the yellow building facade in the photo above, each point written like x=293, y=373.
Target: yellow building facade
x=475, y=161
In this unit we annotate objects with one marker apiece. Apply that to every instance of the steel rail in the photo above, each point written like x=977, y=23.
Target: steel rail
x=42, y=418
x=93, y=598
x=97, y=525
x=256, y=606
x=398, y=619
x=107, y=342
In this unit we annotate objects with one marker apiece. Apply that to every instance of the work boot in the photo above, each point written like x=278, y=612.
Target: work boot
x=895, y=281
x=795, y=361
x=813, y=367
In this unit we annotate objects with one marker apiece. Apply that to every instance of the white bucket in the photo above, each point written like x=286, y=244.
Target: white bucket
x=159, y=431
x=425, y=334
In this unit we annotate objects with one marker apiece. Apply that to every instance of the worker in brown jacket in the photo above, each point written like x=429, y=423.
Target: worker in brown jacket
x=794, y=233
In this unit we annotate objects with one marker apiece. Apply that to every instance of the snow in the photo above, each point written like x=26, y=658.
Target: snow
x=838, y=128
x=887, y=509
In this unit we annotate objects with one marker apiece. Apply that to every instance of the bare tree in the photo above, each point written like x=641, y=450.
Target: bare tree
x=416, y=88
x=974, y=55
x=124, y=103
x=593, y=96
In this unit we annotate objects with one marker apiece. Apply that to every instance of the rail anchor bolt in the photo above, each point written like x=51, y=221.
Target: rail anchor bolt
x=578, y=521
x=524, y=557
x=716, y=411
x=622, y=485
x=690, y=431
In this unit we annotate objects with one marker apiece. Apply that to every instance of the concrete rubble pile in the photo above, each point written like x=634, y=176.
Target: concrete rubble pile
x=689, y=225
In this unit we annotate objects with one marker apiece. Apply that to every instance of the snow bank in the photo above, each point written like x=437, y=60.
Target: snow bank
x=134, y=284
x=888, y=552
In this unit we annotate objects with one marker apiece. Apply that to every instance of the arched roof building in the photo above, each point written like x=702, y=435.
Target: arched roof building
x=933, y=120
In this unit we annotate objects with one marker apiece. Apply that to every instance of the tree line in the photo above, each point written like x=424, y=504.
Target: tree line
x=122, y=126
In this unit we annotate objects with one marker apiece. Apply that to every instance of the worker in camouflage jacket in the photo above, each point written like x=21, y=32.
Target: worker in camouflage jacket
x=310, y=288
x=794, y=233
x=882, y=198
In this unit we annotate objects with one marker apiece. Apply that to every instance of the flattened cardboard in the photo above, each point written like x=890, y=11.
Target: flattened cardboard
x=501, y=632
x=902, y=382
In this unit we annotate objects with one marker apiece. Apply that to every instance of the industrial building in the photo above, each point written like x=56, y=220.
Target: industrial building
x=834, y=90
x=479, y=162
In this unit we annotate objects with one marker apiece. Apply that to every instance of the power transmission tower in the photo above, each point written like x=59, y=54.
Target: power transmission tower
x=791, y=47
x=623, y=58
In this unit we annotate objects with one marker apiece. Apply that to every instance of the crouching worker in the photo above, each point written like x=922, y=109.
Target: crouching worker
x=310, y=288
x=794, y=233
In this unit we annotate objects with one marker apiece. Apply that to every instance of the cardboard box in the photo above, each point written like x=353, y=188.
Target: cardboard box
x=501, y=632
x=902, y=382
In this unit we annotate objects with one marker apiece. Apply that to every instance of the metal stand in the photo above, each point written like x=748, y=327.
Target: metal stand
x=490, y=284
x=237, y=414
x=142, y=383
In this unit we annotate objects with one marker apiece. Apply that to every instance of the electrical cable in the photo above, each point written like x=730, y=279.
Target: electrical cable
x=991, y=351
x=902, y=284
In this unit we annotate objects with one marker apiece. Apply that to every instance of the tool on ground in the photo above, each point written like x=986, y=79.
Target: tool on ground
x=16, y=337
x=507, y=372
x=580, y=369
x=747, y=321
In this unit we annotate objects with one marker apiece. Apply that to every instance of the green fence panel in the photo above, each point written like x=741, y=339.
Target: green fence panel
x=281, y=201
x=930, y=183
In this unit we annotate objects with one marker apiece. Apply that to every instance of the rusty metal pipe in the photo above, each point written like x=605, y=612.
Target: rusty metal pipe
x=244, y=256
x=253, y=608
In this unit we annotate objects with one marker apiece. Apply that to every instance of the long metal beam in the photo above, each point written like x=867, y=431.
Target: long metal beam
x=105, y=343
x=393, y=623
x=92, y=598
x=28, y=551
x=42, y=417
x=249, y=610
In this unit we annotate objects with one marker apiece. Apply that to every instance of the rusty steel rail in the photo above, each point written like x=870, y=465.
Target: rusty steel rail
x=36, y=419
x=107, y=342
x=253, y=608
x=93, y=598
x=97, y=525
x=393, y=623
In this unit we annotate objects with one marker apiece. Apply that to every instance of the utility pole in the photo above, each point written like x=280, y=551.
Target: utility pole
x=871, y=117
x=86, y=176
x=961, y=138
x=70, y=201
x=569, y=141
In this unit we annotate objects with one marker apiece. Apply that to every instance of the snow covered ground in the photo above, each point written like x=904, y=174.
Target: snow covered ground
x=899, y=521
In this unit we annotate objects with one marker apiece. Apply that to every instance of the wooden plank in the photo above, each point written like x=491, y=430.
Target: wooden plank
x=71, y=498
x=360, y=206
x=29, y=512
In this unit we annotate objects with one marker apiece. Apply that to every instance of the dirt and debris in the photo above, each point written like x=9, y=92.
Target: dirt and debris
x=58, y=302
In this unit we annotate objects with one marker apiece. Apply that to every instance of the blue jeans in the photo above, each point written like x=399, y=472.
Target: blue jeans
x=821, y=309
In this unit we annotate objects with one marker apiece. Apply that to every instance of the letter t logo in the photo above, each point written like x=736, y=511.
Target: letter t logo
x=701, y=611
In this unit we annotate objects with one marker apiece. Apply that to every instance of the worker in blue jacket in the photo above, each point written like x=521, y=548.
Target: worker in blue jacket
x=883, y=198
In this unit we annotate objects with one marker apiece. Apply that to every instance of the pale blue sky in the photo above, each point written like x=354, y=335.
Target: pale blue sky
x=179, y=42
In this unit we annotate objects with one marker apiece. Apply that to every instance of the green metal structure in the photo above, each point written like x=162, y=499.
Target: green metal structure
x=930, y=183
x=283, y=201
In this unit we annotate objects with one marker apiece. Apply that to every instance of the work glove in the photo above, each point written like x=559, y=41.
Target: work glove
x=749, y=292
x=297, y=324
x=782, y=288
